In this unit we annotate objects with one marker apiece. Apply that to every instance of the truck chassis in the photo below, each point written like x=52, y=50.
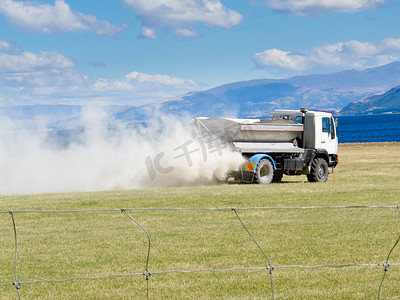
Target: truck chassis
x=264, y=168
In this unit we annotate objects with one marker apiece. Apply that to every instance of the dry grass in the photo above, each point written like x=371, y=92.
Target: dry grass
x=63, y=245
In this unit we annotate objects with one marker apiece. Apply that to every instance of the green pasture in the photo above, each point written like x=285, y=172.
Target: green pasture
x=95, y=243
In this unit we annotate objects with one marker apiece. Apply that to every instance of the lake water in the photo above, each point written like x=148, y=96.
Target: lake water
x=352, y=129
x=371, y=128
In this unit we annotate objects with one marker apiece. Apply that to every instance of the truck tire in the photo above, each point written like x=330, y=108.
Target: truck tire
x=319, y=171
x=264, y=172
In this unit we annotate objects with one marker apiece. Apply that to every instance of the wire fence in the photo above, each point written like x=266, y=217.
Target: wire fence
x=147, y=274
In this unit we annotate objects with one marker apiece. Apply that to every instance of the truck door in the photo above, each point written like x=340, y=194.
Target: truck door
x=328, y=135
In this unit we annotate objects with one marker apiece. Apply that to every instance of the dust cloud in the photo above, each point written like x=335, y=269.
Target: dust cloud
x=163, y=152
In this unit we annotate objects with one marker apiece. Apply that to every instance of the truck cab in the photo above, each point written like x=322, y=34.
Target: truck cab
x=319, y=131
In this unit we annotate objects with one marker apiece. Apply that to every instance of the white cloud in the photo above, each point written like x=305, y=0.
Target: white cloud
x=14, y=61
x=156, y=79
x=182, y=15
x=24, y=70
x=48, y=77
x=138, y=88
x=331, y=57
x=25, y=62
x=4, y=46
x=391, y=44
x=319, y=7
x=145, y=86
x=275, y=57
x=186, y=33
x=148, y=33
x=39, y=17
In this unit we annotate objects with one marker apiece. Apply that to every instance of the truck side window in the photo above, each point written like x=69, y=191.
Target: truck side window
x=332, y=128
x=299, y=120
x=325, y=124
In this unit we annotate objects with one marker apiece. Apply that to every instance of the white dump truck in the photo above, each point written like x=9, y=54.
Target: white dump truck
x=293, y=142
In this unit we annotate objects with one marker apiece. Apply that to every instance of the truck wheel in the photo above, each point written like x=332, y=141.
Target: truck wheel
x=264, y=172
x=319, y=171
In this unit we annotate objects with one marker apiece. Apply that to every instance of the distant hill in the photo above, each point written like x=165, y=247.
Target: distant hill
x=36, y=116
x=388, y=102
x=256, y=98
x=244, y=99
x=51, y=116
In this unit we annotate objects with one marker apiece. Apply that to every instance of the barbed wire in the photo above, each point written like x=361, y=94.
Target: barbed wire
x=16, y=282
x=386, y=265
x=270, y=268
x=205, y=208
x=146, y=272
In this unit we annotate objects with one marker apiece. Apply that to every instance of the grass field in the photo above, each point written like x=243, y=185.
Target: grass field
x=90, y=244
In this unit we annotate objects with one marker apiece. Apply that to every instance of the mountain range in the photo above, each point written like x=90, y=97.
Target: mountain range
x=388, y=102
x=256, y=98
x=347, y=92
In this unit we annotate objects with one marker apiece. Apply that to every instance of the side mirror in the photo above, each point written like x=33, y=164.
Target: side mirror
x=336, y=122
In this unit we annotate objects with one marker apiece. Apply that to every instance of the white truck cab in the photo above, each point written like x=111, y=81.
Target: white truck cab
x=319, y=130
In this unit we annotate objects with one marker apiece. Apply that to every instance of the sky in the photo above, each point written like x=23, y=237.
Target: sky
x=134, y=52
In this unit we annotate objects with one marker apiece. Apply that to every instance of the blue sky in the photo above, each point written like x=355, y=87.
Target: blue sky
x=140, y=51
